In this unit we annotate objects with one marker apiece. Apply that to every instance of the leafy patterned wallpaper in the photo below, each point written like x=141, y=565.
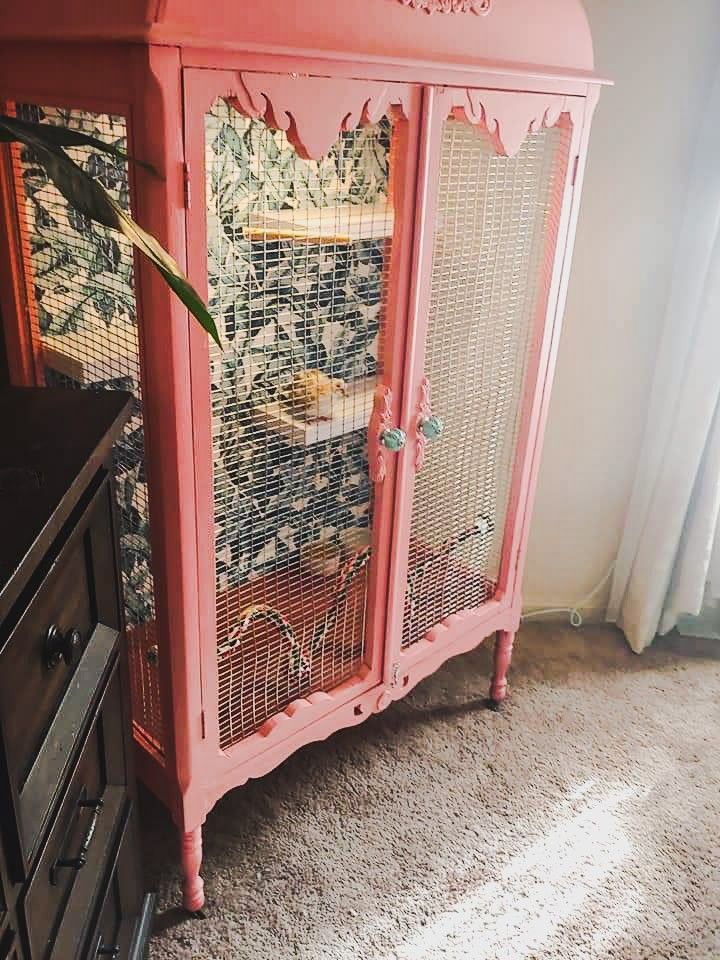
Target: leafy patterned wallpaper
x=284, y=306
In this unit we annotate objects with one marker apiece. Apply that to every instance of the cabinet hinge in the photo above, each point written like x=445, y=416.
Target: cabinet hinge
x=202, y=725
x=395, y=675
x=576, y=165
x=186, y=184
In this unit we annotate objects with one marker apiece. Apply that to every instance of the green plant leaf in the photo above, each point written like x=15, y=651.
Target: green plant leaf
x=14, y=129
x=164, y=263
x=91, y=199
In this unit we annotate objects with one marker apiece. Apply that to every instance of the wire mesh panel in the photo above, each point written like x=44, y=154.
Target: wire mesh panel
x=80, y=292
x=298, y=257
x=494, y=221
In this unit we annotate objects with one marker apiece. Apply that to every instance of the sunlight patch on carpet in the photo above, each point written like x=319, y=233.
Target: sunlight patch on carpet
x=541, y=888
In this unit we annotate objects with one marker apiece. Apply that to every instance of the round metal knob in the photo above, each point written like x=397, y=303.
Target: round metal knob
x=61, y=646
x=106, y=951
x=432, y=427
x=393, y=439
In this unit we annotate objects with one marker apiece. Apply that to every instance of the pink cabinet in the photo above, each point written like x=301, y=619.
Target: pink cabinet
x=321, y=511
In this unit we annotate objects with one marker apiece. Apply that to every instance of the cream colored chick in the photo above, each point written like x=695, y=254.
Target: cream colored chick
x=353, y=539
x=320, y=559
x=312, y=395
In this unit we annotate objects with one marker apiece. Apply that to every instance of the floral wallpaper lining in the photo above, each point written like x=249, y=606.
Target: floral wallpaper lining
x=284, y=306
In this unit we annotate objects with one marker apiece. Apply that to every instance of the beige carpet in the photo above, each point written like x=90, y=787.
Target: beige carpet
x=581, y=822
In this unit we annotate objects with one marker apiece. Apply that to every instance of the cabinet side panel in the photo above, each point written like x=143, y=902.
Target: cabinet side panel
x=79, y=279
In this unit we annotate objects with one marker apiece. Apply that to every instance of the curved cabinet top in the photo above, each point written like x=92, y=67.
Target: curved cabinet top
x=525, y=34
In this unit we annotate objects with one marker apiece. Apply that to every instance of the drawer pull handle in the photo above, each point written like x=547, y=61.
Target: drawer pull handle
x=61, y=646
x=104, y=951
x=78, y=862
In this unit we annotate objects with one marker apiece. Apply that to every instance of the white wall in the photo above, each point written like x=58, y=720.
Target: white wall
x=661, y=54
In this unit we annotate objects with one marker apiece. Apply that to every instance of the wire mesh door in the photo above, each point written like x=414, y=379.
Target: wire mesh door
x=298, y=266
x=80, y=292
x=496, y=218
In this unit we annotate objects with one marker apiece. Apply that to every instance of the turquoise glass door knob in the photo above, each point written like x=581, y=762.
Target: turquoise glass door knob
x=432, y=427
x=393, y=439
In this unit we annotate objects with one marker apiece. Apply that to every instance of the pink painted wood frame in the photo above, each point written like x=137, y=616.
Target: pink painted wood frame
x=156, y=136
x=488, y=75
x=508, y=116
x=283, y=97
x=517, y=34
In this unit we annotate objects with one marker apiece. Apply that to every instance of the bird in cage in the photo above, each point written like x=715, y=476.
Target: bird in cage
x=312, y=395
x=320, y=559
x=353, y=539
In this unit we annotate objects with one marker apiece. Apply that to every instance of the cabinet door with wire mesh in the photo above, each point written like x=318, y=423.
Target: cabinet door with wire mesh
x=300, y=234
x=496, y=208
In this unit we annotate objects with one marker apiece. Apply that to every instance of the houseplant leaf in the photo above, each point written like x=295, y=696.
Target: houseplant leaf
x=166, y=265
x=91, y=199
x=14, y=129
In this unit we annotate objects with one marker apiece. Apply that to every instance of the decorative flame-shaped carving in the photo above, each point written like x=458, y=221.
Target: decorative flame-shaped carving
x=312, y=110
x=509, y=120
x=480, y=7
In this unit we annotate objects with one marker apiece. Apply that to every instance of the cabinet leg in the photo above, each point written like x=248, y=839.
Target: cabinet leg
x=501, y=663
x=193, y=887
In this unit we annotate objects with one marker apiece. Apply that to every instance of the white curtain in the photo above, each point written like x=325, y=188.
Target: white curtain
x=669, y=552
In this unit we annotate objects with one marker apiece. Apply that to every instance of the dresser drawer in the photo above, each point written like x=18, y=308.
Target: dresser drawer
x=53, y=661
x=116, y=932
x=74, y=859
x=40, y=788
x=70, y=879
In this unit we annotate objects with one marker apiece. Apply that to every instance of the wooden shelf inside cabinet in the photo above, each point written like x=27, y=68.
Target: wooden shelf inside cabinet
x=93, y=354
x=345, y=223
x=350, y=413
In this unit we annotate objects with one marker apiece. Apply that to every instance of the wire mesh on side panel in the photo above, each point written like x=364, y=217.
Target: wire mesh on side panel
x=494, y=220
x=80, y=284
x=298, y=255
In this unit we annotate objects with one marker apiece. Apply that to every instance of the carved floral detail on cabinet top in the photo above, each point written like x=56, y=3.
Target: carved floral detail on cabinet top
x=480, y=7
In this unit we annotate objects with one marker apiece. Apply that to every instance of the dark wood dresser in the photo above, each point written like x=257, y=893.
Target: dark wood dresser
x=70, y=876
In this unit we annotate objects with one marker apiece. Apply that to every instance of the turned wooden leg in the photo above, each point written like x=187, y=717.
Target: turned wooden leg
x=193, y=887
x=501, y=663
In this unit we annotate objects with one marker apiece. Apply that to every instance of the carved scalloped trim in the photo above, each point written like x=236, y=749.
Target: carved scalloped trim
x=510, y=118
x=382, y=419
x=424, y=411
x=480, y=7
x=314, y=110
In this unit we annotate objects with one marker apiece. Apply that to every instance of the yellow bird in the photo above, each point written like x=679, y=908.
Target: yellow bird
x=313, y=395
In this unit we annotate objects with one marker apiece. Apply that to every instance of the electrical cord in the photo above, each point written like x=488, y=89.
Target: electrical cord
x=576, y=619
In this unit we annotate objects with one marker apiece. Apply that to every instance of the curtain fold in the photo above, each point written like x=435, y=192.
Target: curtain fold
x=667, y=548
